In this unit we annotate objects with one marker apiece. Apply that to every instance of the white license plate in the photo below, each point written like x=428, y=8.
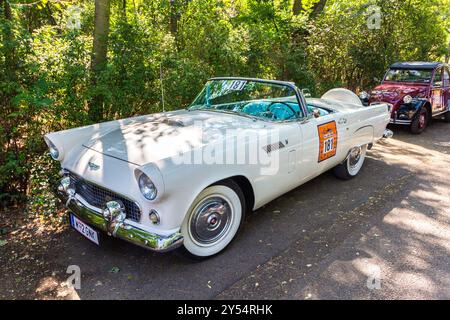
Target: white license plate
x=84, y=229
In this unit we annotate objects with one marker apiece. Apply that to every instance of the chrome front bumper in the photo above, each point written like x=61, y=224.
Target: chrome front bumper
x=121, y=229
x=388, y=134
x=404, y=122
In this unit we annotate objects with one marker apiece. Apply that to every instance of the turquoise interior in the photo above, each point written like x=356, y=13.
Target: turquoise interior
x=278, y=111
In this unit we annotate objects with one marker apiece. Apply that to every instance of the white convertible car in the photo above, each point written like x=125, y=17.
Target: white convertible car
x=187, y=177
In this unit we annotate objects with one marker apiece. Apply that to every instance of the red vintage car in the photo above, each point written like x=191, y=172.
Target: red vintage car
x=418, y=92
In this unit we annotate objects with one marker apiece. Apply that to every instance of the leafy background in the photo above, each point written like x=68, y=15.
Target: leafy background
x=48, y=82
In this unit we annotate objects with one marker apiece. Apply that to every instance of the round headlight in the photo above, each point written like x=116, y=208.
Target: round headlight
x=147, y=187
x=363, y=95
x=54, y=152
x=407, y=99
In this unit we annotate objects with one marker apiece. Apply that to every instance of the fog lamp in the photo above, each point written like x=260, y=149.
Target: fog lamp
x=154, y=217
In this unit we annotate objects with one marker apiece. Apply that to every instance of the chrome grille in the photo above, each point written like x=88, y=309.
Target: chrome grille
x=97, y=196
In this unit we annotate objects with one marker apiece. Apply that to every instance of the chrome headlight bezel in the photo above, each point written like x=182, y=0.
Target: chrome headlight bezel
x=407, y=99
x=54, y=151
x=363, y=95
x=147, y=187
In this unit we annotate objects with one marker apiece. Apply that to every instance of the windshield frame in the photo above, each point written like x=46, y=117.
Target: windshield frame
x=415, y=82
x=299, y=96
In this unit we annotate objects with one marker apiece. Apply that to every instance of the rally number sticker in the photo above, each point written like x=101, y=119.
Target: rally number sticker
x=236, y=85
x=328, y=139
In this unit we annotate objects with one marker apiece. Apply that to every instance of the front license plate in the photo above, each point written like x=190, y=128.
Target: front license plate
x=84, y=229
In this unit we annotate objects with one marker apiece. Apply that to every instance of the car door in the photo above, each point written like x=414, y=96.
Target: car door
x=446, y=87
x=437, y=92
x=308, y=163
x=323, y=146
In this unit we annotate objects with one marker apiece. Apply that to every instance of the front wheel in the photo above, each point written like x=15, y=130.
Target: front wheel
x=351, y=167
x=213, y=219
x=420, y=121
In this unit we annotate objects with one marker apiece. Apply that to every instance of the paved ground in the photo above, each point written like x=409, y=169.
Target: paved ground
x=389, y=228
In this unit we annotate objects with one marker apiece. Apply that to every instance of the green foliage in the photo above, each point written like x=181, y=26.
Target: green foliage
x=344, y=51
x=46, y=80
x=42, y=181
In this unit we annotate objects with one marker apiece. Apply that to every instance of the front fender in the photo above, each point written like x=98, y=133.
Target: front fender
x=182, y=184
x=407, y=111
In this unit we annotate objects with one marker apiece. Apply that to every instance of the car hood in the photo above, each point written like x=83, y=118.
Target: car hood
x=393, y=93
x=153, y=138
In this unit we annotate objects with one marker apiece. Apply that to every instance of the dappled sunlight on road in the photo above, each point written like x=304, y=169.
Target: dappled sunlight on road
x=409, y=249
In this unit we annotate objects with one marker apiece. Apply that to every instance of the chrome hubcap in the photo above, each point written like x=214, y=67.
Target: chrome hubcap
x=211, y=220
x=422, y=120
x=355, y=156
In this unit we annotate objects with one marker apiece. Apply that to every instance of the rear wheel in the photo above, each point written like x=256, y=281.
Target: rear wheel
x=420, y=121
x=351, y=167
x=213, y=220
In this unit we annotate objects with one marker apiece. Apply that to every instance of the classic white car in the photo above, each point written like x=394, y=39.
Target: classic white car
x=187, y=177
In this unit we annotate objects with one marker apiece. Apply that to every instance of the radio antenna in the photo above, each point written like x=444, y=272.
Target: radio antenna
x=162, y=87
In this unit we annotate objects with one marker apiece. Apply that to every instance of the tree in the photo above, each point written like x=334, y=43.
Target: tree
x=10, y=57
x=99, y=54
x=298, y=7
x=318, y=8
x=101, y=30
x=173, y=17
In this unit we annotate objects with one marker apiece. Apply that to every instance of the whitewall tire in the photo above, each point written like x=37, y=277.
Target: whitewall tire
x=213, y=220
x=351, y=167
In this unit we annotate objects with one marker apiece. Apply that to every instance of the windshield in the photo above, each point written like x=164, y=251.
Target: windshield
x=257, y=99
x=409, y=75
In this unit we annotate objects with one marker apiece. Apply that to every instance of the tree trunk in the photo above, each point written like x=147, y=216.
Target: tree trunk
x=10, y=56
x=99, y=54
x=318, y=8
x=51, y=19
x=298, y=7
x=173, y=17
x=124, y=10
x=101, y=30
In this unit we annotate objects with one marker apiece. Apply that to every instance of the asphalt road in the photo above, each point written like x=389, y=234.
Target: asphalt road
x=324, y=239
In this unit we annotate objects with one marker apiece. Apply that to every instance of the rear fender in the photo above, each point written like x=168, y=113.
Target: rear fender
x=363, y=136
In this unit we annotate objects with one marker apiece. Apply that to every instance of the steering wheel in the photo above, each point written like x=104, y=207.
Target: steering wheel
x=271, y=106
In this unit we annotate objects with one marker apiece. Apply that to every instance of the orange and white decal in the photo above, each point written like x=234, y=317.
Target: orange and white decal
x=328, y=140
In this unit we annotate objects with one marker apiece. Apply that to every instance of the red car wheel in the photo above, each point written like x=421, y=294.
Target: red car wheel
x=420, y=121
